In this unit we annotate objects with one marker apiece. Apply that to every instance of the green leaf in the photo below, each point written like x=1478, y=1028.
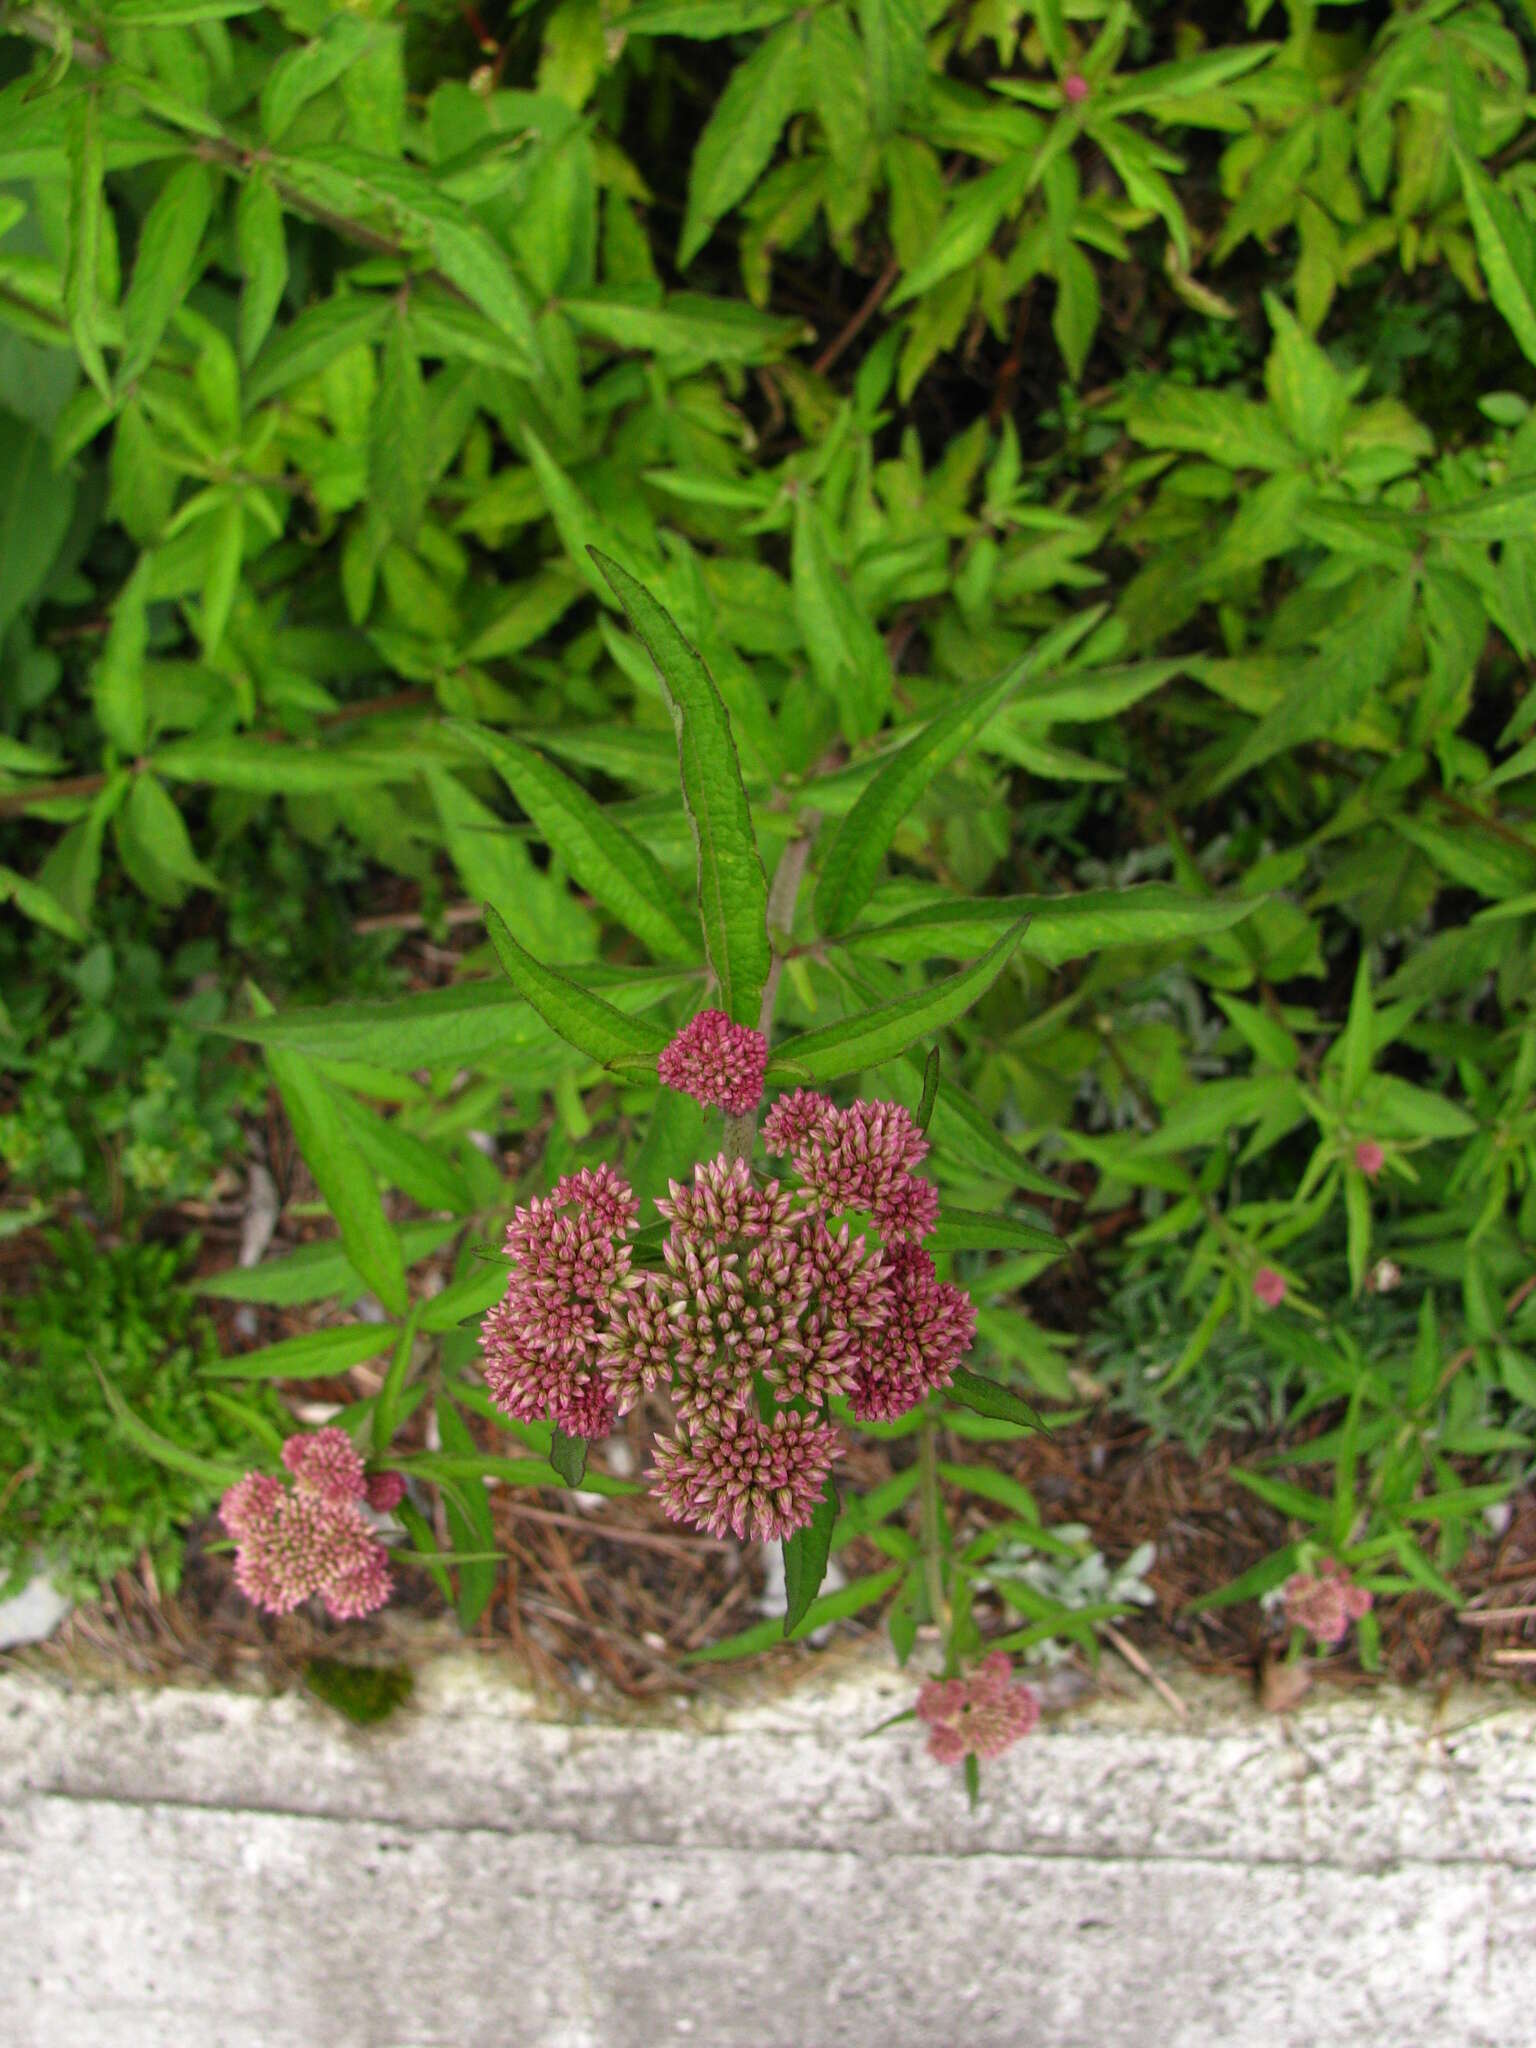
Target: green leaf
x=34, y=515
x=733, y=888
x=444, y=1027
x=847, y=1600
x=851, y=863
x=214, y=1474
x=42, y=906
x=161, y=832
x=470, y=1526
x=968, y=1230
x=1258, y=1580
x=1061, y=928
x=87, y=204
x=262, y=249
x=404, y=1161
x=1506, y=248
x=967, y=229
x=343, y=1177
x=742, y=133
x=316, y=1272
x=856, y=1043
x=318, y=1355
x=265, y=768
x=988, y=1397
x=689, y=331
x=847, y=655
x=923, y=1115
x=173, y=13
x=306, y=344
x=166, y=264
x=594, y=1027
x=805, y=1558
x=896, y=55
x=1333, y=687
x=708, y=20
x=616, y=868
x=308, y=69
x=568, y=1455
x=398, y=453
x=1075, y=316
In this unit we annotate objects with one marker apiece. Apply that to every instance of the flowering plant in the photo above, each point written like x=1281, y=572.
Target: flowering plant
x=778, y=1285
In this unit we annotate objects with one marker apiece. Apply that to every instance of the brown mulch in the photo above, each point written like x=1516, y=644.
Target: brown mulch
x=597, y=1602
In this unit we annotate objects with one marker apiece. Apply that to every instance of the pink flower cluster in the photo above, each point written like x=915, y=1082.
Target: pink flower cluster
x=857, y=1158
x=758, y=1302
x=312, y=1537
x=977, y=1716
x=1326, y=1603
x=717, y=1062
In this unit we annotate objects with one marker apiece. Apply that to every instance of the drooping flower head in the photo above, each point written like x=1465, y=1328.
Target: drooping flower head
x=312, y=1537
x=981, y=1715
x=761, y=1481
x=718, y=1063
x=1325, y=1603
x=931, y=1327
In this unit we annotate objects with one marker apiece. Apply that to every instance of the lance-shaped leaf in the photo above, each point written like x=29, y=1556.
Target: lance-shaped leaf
x=165, y=266
x=610, y=863
x=343, y=1176
x=969, y=1230
x=318, y=1355
x=594, y=1027
x=886, y=1033
x=989, y=1397
x=852, y=862
x=733, y=888
x=805, y=1557
x=1061, y=928
x=930, y=1094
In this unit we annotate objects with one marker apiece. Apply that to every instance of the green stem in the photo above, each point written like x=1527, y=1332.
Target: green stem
x=741, y=1131
x=933, y=1572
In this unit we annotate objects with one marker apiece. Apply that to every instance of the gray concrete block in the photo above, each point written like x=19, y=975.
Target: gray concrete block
x=189, y=1869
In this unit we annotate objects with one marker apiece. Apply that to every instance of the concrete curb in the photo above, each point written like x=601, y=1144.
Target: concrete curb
x=199, y=1869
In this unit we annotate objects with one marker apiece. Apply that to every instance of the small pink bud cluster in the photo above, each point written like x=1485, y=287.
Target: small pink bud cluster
x=1369, y=1157
x=977, y=1716
x=717, y=1062
x=1268, y=1287
x=312, y=1537
x=1074, y=88
x=1326, y=1603
x=758, y=1302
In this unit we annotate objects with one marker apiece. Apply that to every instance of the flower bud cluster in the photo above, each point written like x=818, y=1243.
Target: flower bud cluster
x=1325, y=1603
x=313, y=1536
x=760, y=1313
x=977, y=1716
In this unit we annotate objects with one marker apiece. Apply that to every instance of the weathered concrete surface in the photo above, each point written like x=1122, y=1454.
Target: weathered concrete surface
x=187, y=1869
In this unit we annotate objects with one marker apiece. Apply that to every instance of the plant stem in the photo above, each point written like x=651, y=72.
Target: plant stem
x=928, y=1465
x=741, y=1131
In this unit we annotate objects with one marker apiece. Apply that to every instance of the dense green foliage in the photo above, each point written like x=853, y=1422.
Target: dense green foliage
x=77, y=1498
x=1126, y=410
